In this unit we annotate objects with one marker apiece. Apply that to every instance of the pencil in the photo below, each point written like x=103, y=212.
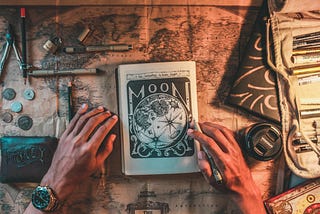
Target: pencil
x=70, y=107
x=215, y=172
x=24, y=44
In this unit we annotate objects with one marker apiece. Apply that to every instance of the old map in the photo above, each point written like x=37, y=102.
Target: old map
x=213, y=36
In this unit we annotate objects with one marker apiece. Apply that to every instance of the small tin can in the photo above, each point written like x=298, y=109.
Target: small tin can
x=84, y=35
x=52, y=45
x=263, y=141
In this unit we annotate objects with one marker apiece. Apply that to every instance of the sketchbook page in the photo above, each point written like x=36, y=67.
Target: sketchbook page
x=156, y=103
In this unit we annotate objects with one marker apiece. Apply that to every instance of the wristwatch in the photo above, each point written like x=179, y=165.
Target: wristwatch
x=44, y=199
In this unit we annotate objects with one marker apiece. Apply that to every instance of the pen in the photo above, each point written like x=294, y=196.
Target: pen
x=70, y=107
x=117, y=47
x=306, y=36
x=24, y=44
x=309, y=79
x=79, y=71
x=305, y=51
x=216, y=174
x=306, y=44
x=305, y=70
x=310, y=113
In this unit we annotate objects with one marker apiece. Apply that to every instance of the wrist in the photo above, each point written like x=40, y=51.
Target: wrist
x=61, y=186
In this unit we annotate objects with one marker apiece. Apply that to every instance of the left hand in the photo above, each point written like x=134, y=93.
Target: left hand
x=81, y=151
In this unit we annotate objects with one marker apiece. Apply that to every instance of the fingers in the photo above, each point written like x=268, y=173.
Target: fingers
x=81, y=111
x=222, y=136
x=92, y=123
x=105, y=152
x=207, y=142
x=227, y=132
x=98, y=137
x=82, y=121
x=204, y=166
x=206, y=171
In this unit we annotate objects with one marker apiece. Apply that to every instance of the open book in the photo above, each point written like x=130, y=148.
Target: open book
x=156, y=103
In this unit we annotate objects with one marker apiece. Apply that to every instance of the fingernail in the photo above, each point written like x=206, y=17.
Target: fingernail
x=201, y=156
x=84, y=105
x=100, y=108
x=115, y=117
x=190, y=131
x=113, y=137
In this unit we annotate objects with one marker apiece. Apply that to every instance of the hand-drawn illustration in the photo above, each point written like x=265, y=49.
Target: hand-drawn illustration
x=160, y=120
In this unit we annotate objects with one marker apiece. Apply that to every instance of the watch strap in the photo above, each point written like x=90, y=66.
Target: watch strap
x=54, y=202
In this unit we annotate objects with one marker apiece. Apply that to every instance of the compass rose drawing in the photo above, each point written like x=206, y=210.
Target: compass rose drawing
x=160, y=123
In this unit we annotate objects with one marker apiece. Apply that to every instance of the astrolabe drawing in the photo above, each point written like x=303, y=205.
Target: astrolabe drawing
x=160, y=123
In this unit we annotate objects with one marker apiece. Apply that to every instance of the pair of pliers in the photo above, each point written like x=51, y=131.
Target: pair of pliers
x=10, y=42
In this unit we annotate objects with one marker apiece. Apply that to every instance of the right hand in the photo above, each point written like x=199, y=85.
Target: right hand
x=226, y=153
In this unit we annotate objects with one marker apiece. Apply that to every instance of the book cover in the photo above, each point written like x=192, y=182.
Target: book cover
x=304, y=198
x=156, y=103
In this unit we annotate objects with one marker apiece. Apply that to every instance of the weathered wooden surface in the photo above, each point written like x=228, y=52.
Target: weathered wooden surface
x=212, y=36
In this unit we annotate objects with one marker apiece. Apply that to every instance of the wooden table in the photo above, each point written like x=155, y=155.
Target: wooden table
x=213, y=36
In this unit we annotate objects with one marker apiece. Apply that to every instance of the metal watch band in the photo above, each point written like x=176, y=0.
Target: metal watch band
x=54, y=202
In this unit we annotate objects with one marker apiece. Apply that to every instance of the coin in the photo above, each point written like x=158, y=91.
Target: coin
x=9, y=94
x=25, y=122
x=16, y=106
x=28, y=94
x=7, y=117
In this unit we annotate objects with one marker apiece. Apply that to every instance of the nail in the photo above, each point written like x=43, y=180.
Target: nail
x=113, y=137
x=100, y=108
x=201, y=155
x=190, y=131
x=84, y=105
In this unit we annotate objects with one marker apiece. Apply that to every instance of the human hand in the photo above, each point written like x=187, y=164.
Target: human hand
x=222, y=146
x=81, y=151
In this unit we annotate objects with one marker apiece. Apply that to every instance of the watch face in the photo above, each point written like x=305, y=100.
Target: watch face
x=40, y=198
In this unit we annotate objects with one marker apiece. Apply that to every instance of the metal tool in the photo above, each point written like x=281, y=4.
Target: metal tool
x=10, y=43
x=92, y=48
x=24, y=65
x=76, y=71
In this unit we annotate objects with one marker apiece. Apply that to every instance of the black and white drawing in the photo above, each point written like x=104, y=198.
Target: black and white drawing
x=157, y=101
x=161, y=114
